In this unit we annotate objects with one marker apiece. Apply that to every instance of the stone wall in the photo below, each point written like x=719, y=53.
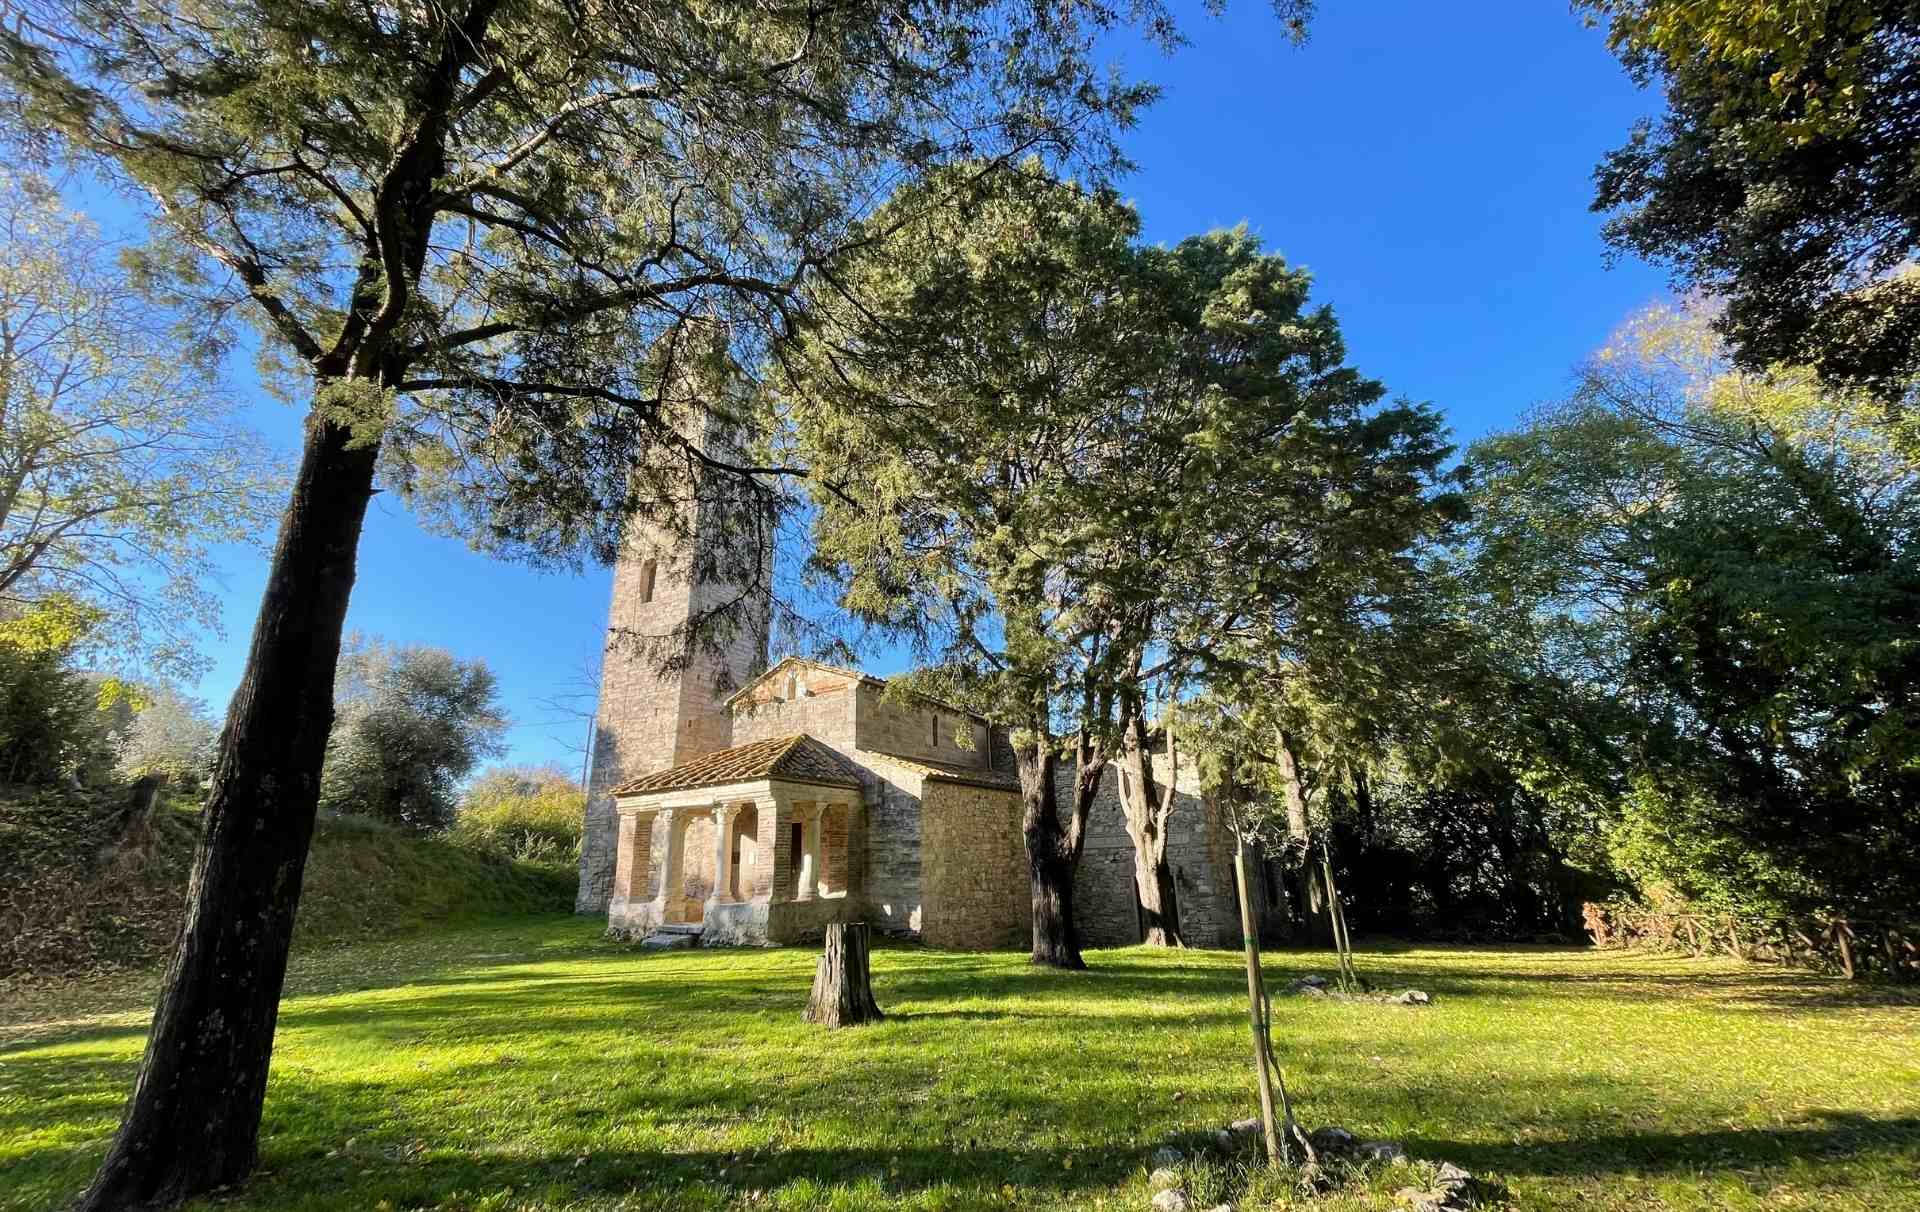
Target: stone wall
x=826, y=716
x=1199, y=850
x=908, y=730
x=890, y=886
x=1105, y=906
x=974, y=868
x=836, y=835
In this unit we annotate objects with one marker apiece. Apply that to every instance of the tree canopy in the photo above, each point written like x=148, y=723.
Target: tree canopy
x=1781, y=177
x=411, y=723
x=1063, y=465
x=120, y=463
x=512, y=254
x=1729, y=555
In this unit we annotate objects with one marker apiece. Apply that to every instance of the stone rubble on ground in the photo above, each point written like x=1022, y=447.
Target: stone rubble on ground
x=1171, y=1200
x=1452, y=1191
x=1330, y=1140
x=1314, y=985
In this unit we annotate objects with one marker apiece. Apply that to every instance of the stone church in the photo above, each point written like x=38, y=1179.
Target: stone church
x=748, y=803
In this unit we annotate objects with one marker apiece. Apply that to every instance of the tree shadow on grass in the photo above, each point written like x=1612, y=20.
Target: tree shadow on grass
x=1841, y=1135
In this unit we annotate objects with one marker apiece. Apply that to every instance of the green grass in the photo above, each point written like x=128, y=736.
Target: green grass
x=532, y=1065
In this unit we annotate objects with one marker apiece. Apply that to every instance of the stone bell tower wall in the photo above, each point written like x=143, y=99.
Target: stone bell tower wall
x=650, y=719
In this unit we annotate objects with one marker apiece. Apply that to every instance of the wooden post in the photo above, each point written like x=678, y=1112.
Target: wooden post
x=1843, y=935
x=842, y=985
x=1342, y=944
x=1255, y=1014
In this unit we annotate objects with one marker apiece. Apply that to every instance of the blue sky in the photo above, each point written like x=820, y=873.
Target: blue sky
x=1433, y=174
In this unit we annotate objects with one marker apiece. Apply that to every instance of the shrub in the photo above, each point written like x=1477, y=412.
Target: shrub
x=52, y=726
x=533, y=814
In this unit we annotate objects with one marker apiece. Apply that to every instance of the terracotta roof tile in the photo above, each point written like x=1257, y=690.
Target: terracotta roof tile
x=978, y=776
x=796, y=759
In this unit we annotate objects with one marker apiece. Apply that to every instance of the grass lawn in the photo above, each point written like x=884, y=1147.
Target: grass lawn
x=528, y=1064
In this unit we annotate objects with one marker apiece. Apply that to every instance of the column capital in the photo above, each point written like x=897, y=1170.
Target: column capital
x=809, y=811
x=725, y=811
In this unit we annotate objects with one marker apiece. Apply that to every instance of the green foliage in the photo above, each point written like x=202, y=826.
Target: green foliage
x=119, y=464
x=52, y=728
x=526, y=248
x=409, y=724
x=1465, y=858
x=1782, y=177
x=528, y=813
x=1059, y=460
x=1728, y=555
x=532, y=1065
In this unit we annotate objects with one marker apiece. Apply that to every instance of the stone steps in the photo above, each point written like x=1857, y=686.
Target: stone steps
x=672, y=936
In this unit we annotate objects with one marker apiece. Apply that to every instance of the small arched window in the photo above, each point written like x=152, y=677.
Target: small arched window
x=793, y=686
x=647, y=571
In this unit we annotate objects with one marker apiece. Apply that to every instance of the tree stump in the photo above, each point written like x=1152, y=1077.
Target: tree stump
x=842, y=985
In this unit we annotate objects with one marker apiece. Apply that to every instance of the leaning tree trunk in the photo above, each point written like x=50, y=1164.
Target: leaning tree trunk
x=842, y=984
x=194, y=1119
x=1278, y=1136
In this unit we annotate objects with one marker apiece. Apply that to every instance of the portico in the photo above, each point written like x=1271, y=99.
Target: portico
x=749, y=860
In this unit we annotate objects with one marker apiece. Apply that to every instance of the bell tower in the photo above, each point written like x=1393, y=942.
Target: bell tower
x=668, y=666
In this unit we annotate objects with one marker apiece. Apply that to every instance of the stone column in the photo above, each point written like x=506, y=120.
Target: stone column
x=673, y=866
x=836, y=849
x=633, y=855
x=807, y=886
x=723, y=815
x=766, y=845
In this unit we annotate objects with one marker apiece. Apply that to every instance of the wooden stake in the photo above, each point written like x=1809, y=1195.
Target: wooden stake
x=1256, y=1018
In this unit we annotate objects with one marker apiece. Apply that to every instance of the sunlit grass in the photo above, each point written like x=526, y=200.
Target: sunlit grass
x=529, y=1064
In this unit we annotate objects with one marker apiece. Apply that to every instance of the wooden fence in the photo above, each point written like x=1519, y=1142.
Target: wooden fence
x=1851, y=948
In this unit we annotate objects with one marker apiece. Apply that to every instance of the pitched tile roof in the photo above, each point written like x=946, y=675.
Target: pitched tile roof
x=978, y=776
x=795, y=759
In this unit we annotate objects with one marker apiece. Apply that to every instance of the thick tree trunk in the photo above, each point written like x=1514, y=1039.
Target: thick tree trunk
x=1056, y=940
x=1053, y=850
x=194, y=1119
x=1159, y=901
x=1313, y=910
x=842, y=984
x=1148, y=807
